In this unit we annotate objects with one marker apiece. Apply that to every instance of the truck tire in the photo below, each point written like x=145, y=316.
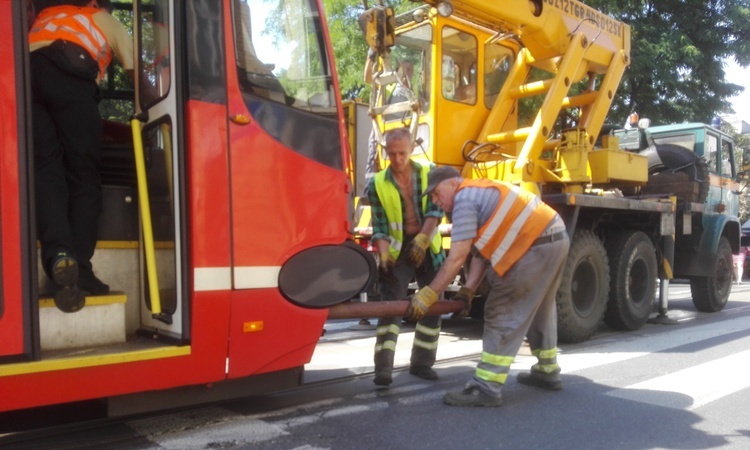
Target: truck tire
x=584, y=288
x=633, y=273
x=671, y=158
x=710, y=294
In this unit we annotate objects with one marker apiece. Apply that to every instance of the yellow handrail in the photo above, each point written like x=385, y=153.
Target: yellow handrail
x=148, y=231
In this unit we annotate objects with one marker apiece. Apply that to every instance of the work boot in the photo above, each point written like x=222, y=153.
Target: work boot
x=383, y=378
x=471, y=396
x=88, y=282
x=423, y=372
x=541, y=379
x=64, y=272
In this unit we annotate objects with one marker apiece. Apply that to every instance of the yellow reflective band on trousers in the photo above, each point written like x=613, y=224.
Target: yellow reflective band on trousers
x=545, y=354
x=487, y=375
x=425, y=345
x=547, y=360
x=387, y=345
x=427, y=330
x=393, y=328
x=494, y=368
x=497, y=360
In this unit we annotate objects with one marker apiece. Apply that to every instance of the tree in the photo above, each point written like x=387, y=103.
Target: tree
x=349, y=47
x=678, y=48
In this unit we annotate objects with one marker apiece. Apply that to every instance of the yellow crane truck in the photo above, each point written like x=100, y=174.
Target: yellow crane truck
x=518, y=91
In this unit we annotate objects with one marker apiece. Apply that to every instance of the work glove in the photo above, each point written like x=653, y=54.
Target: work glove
x=465, y=295
x=420, y=302
x=371, y=55
x=417, y=249
x=385, y=266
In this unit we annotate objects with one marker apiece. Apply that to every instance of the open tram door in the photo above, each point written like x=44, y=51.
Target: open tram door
x=160, y=169
x=17, y=315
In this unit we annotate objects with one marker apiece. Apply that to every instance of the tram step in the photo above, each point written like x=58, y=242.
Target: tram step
x=100, y=322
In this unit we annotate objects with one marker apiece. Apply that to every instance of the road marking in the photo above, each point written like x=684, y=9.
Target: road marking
x=704, y=384
x=633, y=345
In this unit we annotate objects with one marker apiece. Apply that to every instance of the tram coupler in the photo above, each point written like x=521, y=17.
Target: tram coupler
x=391, y=308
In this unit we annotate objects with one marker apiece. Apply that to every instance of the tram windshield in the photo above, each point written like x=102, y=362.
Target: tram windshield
x=281, y=55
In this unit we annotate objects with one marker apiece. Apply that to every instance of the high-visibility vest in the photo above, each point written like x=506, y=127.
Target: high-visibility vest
x=76, y=25
x=391, y=200
x=518, y=220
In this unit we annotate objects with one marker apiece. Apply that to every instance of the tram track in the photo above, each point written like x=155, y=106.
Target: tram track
x=116, y=432
x=120, y=432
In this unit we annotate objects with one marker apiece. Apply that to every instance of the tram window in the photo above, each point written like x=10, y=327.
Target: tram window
x=118, y=95
x=286, y=76
x=158, y=150
x=154, y=50
x=280, y=56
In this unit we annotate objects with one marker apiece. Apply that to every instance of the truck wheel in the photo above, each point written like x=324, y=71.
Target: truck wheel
x=710, y=294
x=671, y=158
x=582, y=296
x=633, y=273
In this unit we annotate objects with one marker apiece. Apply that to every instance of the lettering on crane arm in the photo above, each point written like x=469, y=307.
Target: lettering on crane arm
x=575, y=9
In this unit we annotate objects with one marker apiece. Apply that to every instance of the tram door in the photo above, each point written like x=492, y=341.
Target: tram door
x=16, y=307
x=157, y=100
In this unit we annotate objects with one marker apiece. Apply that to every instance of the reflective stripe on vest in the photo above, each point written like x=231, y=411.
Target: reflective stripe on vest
x=391, y=200
x=519, y=218
x=76, y=25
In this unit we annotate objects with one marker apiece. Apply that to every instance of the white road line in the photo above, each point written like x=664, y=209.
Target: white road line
x=638, y=345
x=704, y=383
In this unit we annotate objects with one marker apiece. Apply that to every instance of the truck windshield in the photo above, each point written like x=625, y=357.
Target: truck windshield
x=281, y=55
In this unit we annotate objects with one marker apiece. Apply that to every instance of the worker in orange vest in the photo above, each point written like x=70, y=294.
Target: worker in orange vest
x=70, y=47
x=520, y=244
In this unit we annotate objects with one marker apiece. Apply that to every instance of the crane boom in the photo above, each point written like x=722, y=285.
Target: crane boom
x=542, y=25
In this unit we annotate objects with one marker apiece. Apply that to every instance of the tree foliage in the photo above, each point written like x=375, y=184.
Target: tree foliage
x=678, y=52
x=677, y=57
x=349, y=47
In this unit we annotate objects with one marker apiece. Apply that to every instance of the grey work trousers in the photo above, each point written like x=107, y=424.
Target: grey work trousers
x=520, y=303
x=427, y=330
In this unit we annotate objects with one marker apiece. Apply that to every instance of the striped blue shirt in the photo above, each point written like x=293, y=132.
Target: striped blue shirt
x=472, y=208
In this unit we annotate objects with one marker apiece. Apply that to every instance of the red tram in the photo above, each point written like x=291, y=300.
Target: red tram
x=249, y=199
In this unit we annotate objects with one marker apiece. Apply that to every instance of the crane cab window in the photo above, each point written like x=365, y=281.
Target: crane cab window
x=498, y=61
x=410, y=57
x=459, y=62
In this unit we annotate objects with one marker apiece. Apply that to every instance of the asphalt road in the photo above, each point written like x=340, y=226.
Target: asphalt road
x=681, y=386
